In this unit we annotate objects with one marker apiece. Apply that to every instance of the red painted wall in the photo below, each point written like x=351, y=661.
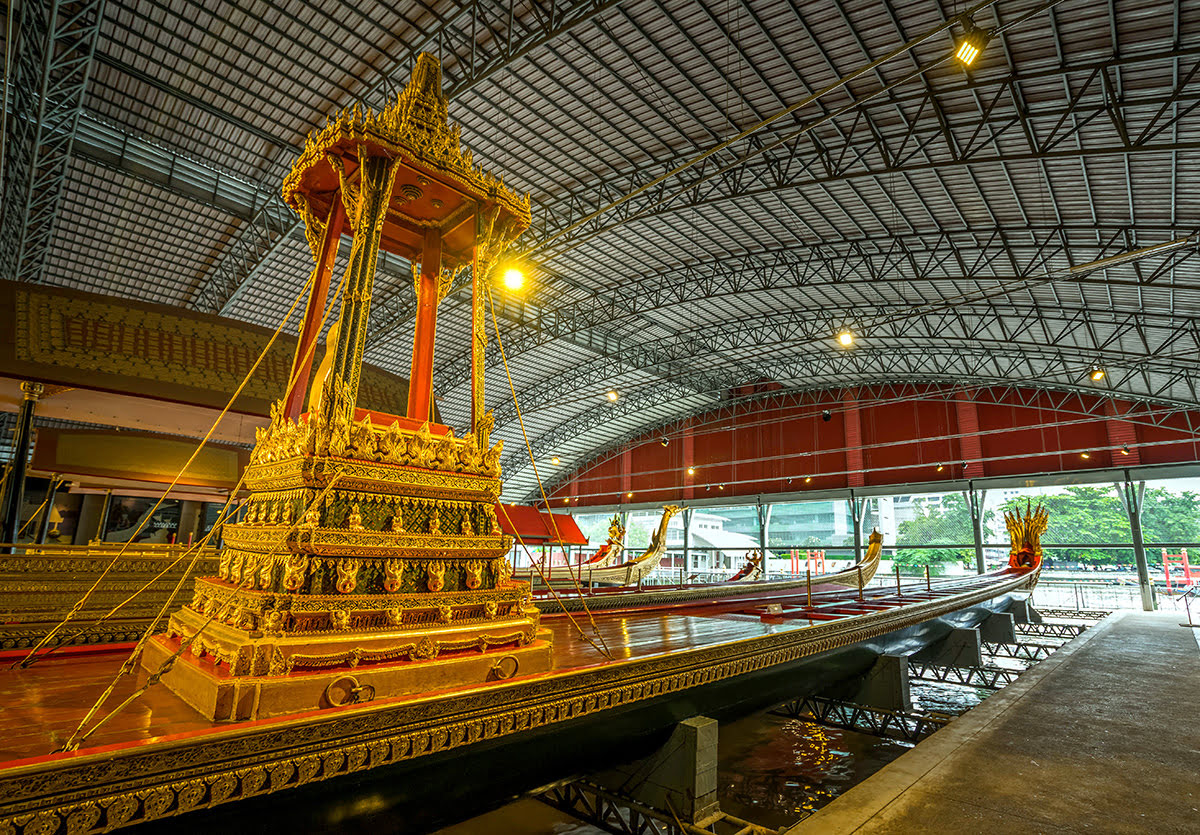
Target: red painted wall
x=783, y=444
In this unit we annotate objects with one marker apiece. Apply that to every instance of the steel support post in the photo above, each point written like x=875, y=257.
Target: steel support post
x=975, y=505
x=1133, y=498
x=14, y=496
x=104, y=509
x=687, y=542
x=764, y=519
x=857, y=508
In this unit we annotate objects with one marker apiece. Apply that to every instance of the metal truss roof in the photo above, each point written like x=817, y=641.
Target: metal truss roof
x=719, y=187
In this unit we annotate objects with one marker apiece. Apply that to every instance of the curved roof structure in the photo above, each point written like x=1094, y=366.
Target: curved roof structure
x=719, y=188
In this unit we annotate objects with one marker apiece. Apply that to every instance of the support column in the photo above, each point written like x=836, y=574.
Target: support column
x=89, y=513
x=857, y=507
x=1133, y=499
x=189, y=520
x=103, y=522
x=330, y=236
x=687, y=541
x=764, y=519
x=975, y=506
x=366, y=207
x=14, y=496
x=420, y=382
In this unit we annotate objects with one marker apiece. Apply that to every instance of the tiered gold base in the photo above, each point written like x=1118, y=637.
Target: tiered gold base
x=329, y=669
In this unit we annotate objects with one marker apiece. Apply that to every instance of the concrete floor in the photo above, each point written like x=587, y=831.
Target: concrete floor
x=1104, y=736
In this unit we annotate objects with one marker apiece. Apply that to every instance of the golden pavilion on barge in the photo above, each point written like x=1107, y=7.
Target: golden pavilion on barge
x=369, y=539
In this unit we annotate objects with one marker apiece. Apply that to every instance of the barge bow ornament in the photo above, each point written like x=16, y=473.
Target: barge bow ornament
x=369, y=539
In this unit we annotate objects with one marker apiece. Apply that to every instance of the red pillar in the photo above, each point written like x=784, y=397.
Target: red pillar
x=420, y=381
x=311, y=328
x=853, y=440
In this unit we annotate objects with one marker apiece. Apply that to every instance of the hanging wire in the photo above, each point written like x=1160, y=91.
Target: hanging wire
x=74, y=610
x=602, y=647
x=55, y=482
x=77, y=738
x=333, y=302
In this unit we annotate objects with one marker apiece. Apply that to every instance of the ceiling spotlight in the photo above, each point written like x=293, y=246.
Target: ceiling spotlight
x=555, y=460
x=827, y=416
x=1125, y=449
x=1085, y=455
x=513, y=279
x=612, y=395
x=941, y=467
x=846, y=339
x=691, y=470
x=664, y=441
x=972, y=44
x=1097, y=374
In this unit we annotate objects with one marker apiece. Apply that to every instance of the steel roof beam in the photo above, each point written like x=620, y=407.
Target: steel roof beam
x=51, y=62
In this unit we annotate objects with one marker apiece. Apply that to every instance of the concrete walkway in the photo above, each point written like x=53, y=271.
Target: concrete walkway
x=1102, y=737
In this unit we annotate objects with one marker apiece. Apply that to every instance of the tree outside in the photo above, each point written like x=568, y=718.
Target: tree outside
x=947, y=523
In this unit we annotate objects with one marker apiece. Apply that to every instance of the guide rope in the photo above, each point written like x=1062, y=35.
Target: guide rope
x=130, y=664
x=30, y=658
x=603, y=647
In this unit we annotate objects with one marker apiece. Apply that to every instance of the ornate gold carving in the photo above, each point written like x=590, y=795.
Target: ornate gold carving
x=474, y=572
x=295, y=572
x=392, y=569
x=435, y=573
x=347, y=572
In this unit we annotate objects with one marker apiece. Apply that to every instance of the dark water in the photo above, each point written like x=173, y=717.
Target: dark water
x=772, y=770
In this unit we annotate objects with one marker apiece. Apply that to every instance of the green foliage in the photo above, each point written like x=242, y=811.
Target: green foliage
x=946, y=524
x=1081, y=515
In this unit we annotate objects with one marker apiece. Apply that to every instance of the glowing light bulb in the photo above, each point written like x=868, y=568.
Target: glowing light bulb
x=514, y=279
x=691, y=470
x=555, y=460
x=612, y=395
x=846, y=338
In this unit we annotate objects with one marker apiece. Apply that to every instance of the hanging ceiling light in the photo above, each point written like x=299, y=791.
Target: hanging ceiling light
x=612, y=395
x=513, y=279
x=846, y=339
x=1125, y=449
x=555, y=460
x=1097, y=373
x=972, y=44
